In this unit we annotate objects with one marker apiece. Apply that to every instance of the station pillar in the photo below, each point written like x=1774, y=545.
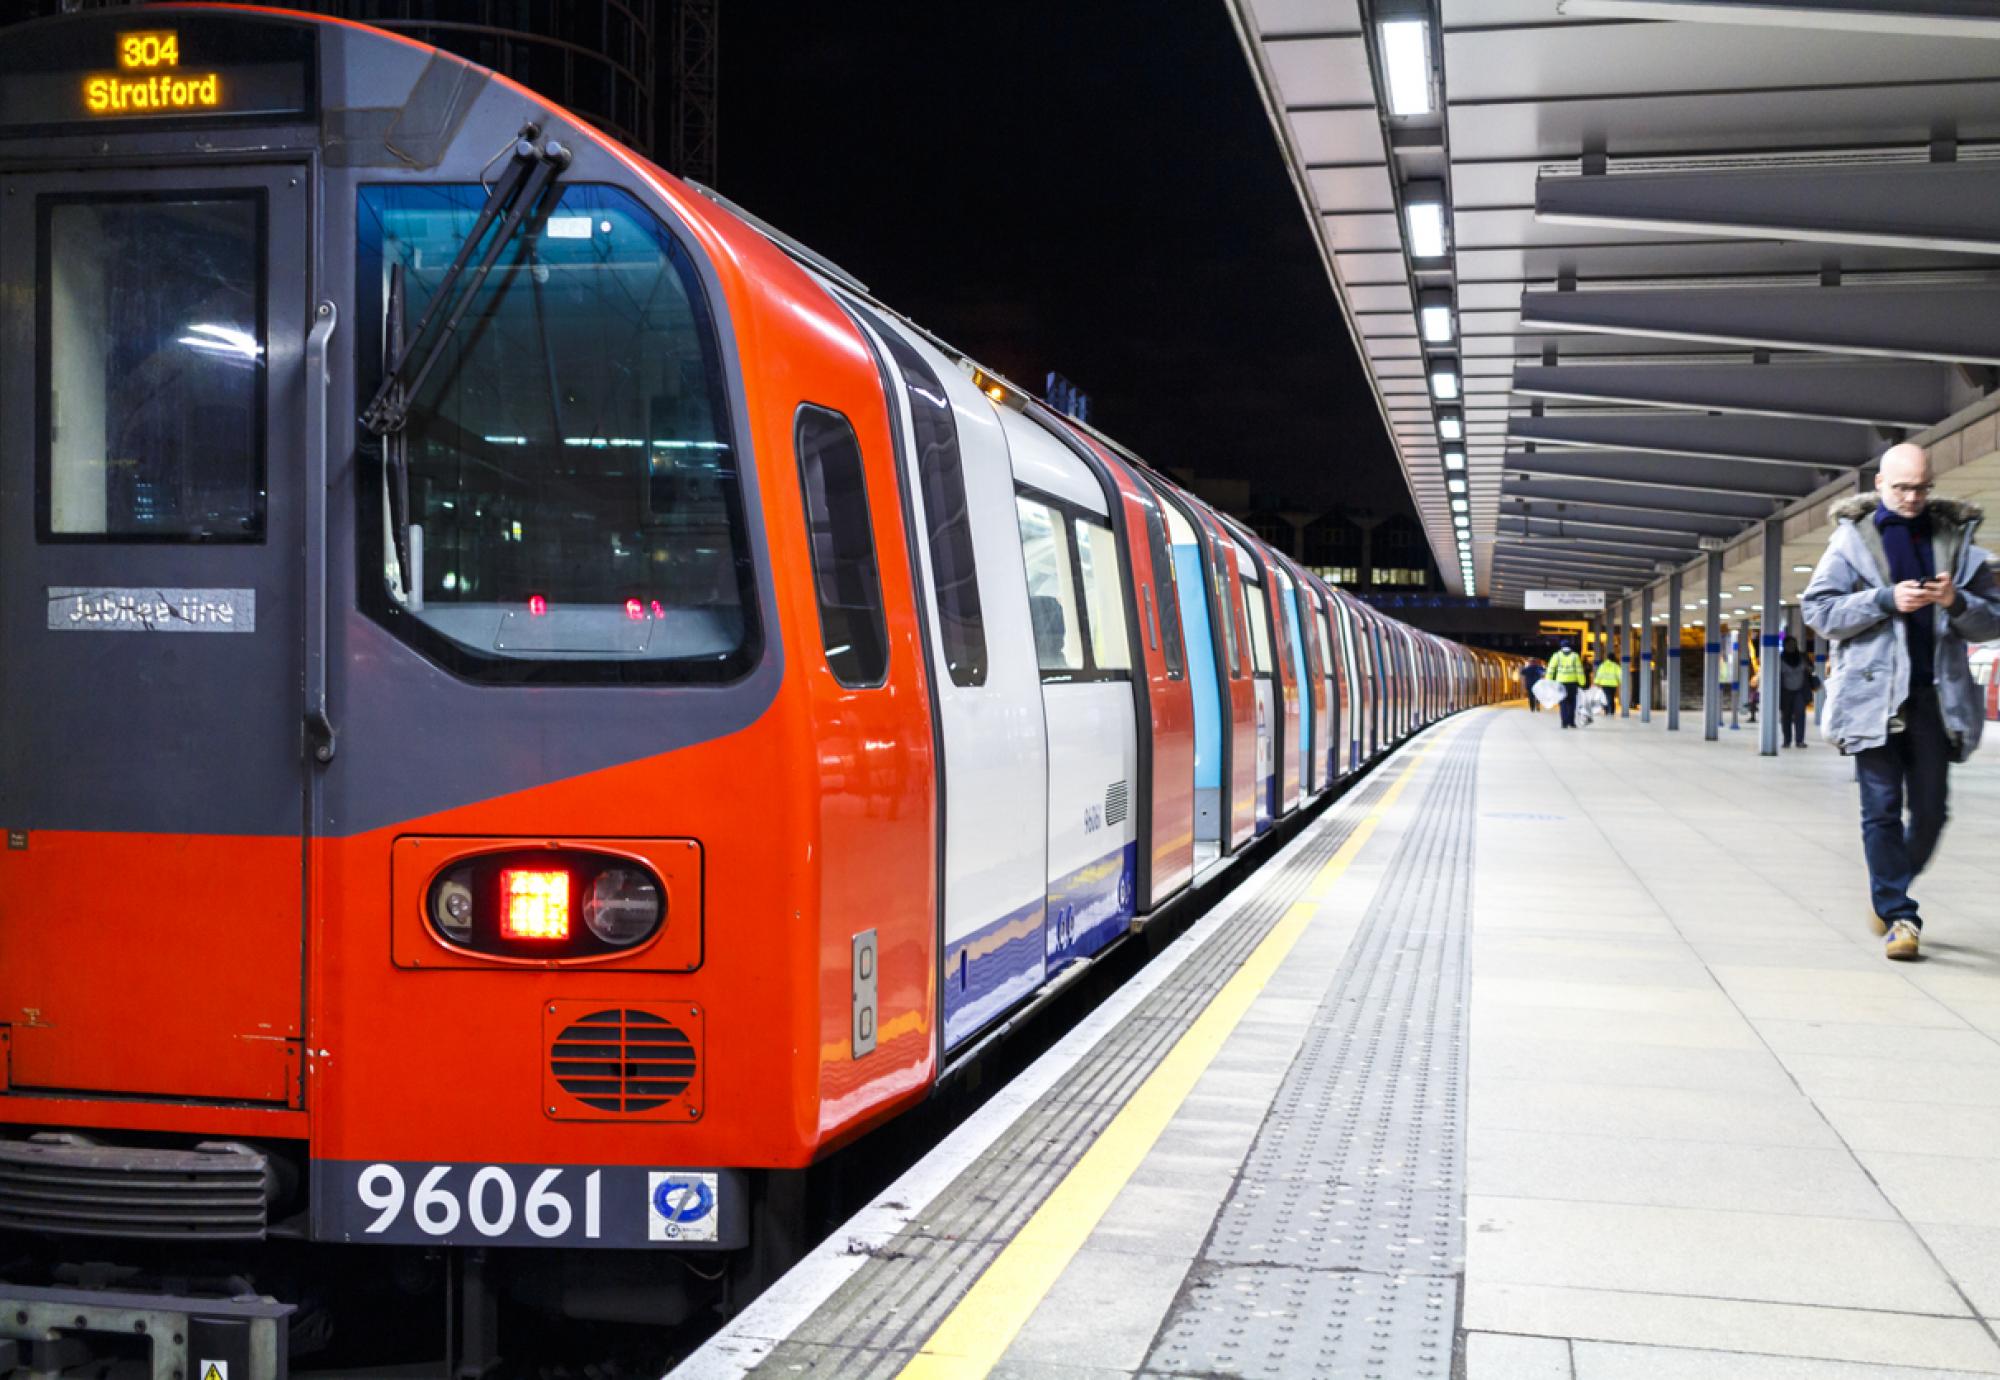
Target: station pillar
x=1770, y=624
x=1628, y=647
x=1711, y=661
x=1646, y=657
x=1674, y=621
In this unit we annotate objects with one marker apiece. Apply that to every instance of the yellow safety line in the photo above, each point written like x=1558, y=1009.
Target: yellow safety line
x=978, y=1331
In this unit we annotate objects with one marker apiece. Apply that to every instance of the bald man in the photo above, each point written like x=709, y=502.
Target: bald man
x=1900, y=591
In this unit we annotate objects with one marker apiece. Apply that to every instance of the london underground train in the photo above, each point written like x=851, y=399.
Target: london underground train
x=551, y=708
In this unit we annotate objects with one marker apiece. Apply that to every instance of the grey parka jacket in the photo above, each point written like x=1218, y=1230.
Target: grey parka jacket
x=1850, y=599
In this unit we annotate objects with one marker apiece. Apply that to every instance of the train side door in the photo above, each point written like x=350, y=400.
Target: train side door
x=153, y=330
x=1082, y=645
x=961, y=489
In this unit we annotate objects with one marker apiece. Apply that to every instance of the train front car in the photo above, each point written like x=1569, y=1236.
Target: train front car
x=419, y=811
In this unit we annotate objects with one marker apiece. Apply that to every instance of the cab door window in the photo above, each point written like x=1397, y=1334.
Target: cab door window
x=842, y=544
x=152, y=367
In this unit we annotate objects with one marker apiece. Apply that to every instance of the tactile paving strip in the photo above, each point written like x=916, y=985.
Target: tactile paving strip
x=1339, y=1250
x=884, y=1313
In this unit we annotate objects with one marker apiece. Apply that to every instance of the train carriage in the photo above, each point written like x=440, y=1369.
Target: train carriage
x=554, y=709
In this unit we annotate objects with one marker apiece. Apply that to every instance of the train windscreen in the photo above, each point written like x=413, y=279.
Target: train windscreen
x=574, y=486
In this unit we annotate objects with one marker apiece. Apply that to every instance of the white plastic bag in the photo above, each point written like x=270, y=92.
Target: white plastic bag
x=1589, y=704
x=1548, y=692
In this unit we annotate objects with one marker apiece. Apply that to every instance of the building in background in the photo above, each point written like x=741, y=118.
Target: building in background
x=643, y=71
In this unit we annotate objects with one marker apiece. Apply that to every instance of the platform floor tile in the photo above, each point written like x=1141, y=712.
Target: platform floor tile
x=1712, y=1132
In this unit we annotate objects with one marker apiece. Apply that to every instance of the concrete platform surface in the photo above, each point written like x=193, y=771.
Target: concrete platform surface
x=1544, y=1056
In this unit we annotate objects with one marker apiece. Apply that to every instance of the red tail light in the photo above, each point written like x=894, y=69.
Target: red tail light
x=534, y=904
x=538, y=604
x=635, y=610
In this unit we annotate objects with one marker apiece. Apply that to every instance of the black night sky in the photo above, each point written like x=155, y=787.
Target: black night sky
x=1074, y=185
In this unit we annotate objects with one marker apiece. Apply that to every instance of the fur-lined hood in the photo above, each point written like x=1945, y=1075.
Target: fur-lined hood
x=1957, y=511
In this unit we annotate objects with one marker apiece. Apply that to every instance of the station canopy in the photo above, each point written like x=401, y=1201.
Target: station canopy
x=1631, y=276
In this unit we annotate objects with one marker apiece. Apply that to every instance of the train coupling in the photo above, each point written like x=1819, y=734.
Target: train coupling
x=60, y=1332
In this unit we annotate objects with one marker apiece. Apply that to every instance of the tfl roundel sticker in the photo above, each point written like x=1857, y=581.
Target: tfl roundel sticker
x=681, y=1205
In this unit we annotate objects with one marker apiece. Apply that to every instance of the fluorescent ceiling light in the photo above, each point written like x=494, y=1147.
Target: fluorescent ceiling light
x=1801, y=570
x=1451, y=427
x=1444, y=379
x=1424, y=220
x=1454, y=459
x=1455, y=484
x=1744, y=589
x=1458, y=505
x=1406, y=66
x=1434, y=311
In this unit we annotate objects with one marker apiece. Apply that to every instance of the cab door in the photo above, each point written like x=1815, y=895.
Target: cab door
x=152, y=523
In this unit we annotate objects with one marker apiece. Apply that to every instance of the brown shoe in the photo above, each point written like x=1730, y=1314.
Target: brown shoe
x=1902, y=941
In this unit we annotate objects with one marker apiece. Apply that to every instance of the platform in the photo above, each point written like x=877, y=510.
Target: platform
x=1555, y=1056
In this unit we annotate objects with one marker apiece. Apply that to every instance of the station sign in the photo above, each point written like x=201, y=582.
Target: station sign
x=156, y=67
x=1567, y=599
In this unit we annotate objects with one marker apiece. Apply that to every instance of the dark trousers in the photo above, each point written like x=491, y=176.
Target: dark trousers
x=1910, y=769
x=1792, y=716
x=1569, y=704
x=1610, y=699
x=1534, y=705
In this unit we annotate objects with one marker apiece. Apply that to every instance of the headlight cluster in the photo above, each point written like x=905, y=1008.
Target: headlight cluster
x=526, y=904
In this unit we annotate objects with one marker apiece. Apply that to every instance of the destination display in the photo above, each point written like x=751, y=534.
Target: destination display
x=197, y=67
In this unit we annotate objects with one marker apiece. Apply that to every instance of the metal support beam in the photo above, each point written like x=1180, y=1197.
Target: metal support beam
x=1582, y=541
x=1551, y=529
x=1890, y=393
x=1946, y=18
x=1646, y=658
x=1759, y=440
x=1729, y=478
x=1621, y=516
x=1570, y=554
x=1674, y=621
x=1770, y=625
x=1956, y=322
x=1596, y=494
x=1953, y=207
x=1711, y=662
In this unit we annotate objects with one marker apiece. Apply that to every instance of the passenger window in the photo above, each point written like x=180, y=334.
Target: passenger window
x=1167, y=583
x=961, y=625
x=576, y=502
x=1260, y=635
x=153, y=331
x=843, y=548
x=1051, y=591
x=1325, y=645
x=1103, y=595
x=1217, y=561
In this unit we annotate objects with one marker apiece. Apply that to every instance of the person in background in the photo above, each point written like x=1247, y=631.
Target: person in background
x=1795, y=686
x=1900, y=591
x=1566, y=670
x=1531, y=673
x=1610, y=675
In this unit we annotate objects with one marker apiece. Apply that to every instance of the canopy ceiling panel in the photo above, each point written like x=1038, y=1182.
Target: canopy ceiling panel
x=1643, y=271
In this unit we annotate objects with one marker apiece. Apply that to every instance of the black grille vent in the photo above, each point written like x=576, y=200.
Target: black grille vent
x=69, y=1185
x=1115, y=803
x=623, y=1061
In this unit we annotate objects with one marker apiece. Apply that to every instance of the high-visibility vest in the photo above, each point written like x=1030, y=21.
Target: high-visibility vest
x=1610, y=674
x=1566, y=668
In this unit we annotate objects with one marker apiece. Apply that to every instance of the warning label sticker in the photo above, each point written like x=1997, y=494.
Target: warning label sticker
x=213, y=1370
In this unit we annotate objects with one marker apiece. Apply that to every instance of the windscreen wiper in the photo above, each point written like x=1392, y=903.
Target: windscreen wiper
x=409, y=360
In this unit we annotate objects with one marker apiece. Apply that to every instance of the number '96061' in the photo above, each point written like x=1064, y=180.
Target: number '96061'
x=490, y=1202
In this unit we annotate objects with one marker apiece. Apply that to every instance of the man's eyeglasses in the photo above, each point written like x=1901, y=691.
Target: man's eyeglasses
x=1911, y=490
